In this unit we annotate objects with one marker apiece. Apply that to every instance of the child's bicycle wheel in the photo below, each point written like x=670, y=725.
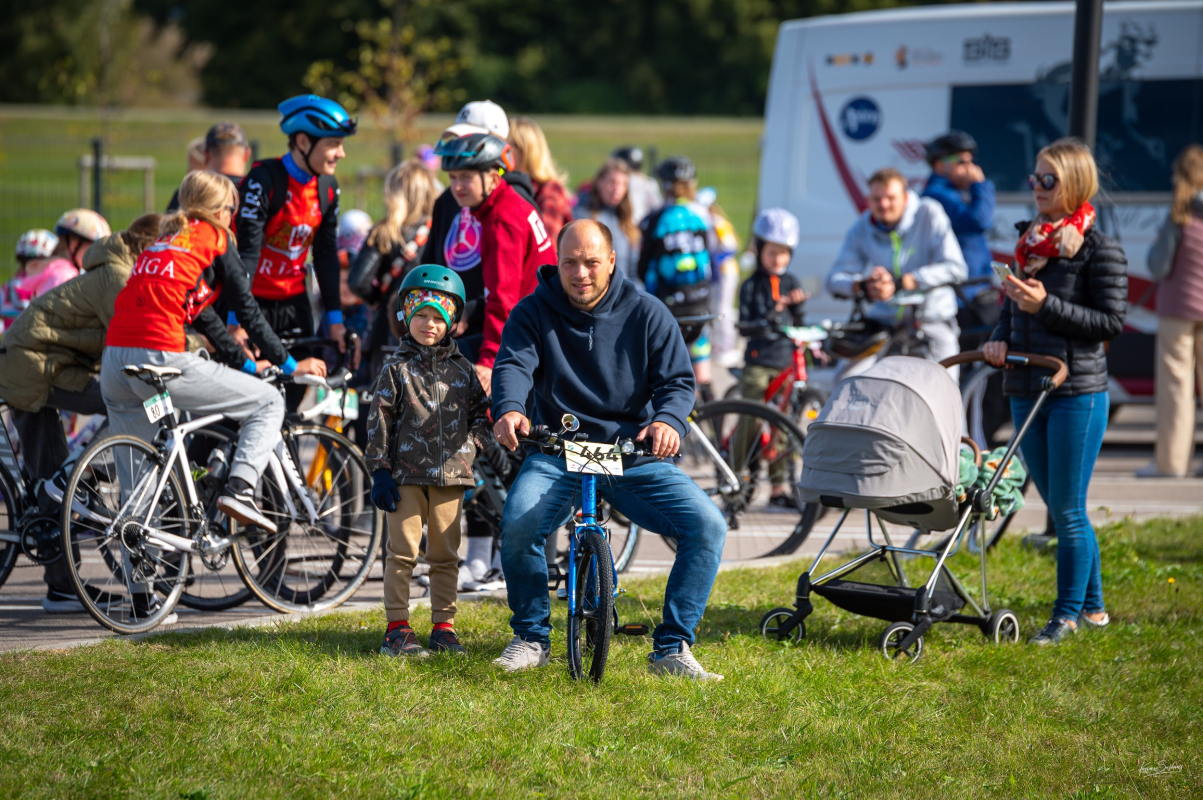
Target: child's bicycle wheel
x=590, y=630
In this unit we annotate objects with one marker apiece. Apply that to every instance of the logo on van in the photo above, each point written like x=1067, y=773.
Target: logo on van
x=860, y=118
x=987, y=48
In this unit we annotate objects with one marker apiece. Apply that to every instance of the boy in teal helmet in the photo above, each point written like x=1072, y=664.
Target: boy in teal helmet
x=429, y=418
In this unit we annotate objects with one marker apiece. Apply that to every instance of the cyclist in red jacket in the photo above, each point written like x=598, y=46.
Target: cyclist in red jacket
x=495, y=228
x=288, y=205
x=173, y=284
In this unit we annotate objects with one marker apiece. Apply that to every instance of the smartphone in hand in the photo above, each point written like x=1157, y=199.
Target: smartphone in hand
x=1001, y=270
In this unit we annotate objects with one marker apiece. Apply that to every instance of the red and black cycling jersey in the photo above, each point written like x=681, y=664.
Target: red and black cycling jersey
x=283, y=212
x=174, y=283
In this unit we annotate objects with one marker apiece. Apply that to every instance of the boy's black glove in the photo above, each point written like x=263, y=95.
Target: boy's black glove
x=384, y=491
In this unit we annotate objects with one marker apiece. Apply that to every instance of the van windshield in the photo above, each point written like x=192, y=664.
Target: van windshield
x=1142, y=127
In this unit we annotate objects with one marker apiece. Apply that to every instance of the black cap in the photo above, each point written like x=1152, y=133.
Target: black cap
x=950, y=144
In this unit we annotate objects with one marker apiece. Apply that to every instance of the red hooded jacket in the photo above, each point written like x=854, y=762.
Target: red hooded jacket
x=513, y=245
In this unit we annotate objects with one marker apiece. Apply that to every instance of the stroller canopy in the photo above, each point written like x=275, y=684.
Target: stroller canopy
x=888, y=440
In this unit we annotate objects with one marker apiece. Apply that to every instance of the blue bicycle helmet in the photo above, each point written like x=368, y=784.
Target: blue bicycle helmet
x=316, y=116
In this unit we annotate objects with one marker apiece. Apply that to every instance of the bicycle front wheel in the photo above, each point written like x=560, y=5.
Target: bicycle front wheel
x=592, y=627
x=327, y=530
x=750, y=463
x=126, y=575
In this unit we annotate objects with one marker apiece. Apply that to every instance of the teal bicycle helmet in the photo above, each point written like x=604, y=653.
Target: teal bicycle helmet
x=435, y=278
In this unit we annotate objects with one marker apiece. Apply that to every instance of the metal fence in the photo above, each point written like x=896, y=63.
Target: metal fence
x=49, y=159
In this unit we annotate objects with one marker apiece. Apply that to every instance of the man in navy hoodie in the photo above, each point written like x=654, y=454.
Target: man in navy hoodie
x=588, y=342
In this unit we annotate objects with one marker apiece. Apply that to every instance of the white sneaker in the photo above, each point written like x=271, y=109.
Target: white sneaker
x=520, y=654
x=492, y=581
x=479, y=568
x=682, y=663
x=1150, y=471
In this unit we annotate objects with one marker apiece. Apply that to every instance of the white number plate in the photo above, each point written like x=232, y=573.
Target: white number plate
x=158, y=407
x=348, y=410
x=595, y=459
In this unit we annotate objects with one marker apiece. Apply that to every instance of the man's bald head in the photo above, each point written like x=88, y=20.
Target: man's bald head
x=586, y=251
x=583, y=225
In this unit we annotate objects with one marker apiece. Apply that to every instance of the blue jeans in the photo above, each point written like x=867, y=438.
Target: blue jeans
x=1060, y=450
x=658, y=497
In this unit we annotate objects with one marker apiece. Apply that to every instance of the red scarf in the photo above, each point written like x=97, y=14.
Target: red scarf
x=1044, y=240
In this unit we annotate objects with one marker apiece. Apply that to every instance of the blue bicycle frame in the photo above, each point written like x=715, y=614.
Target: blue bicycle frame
x=588, y=522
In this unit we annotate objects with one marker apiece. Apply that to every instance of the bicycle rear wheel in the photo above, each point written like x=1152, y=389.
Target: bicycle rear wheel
x=312, y=564
x=762, y=447
x=590, y=630
x=125, y=580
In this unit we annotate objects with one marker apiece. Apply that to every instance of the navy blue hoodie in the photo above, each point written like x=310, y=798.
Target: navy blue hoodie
x=618, y=368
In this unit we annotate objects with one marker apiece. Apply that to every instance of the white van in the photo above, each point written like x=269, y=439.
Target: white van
x=853, y=93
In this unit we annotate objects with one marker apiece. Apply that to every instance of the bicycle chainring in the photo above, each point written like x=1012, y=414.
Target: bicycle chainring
x=41, y=538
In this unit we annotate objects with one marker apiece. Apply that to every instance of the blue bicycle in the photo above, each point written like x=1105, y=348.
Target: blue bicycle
x=592, y=582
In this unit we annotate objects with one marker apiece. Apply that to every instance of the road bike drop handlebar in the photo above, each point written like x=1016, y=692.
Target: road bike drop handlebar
x=336, y=379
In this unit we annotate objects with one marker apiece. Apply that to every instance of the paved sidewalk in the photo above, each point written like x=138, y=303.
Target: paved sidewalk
x=1114, y=493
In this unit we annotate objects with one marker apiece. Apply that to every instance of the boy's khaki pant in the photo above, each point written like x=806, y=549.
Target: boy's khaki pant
x=440, y=508
x=1179, y=365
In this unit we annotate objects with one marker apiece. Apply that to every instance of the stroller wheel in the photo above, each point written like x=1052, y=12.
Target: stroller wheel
x=1002, y=627
x=893, y=636
x=772, y=622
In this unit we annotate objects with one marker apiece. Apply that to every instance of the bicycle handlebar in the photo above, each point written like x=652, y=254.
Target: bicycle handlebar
x=543, y=438
x=1060, y=371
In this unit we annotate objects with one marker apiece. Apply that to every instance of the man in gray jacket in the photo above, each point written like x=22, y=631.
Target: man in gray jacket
x=903, y=242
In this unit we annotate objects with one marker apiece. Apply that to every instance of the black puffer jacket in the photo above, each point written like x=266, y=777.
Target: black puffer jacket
x=429, y=416
x=1086, y=305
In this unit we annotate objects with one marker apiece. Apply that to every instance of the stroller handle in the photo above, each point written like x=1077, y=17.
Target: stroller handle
x=1060, y=371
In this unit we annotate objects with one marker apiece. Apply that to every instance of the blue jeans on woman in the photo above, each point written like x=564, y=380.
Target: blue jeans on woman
x=1060, y=450
x=657, y=497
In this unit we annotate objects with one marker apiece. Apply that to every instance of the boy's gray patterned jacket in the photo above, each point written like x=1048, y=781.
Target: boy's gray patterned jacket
x=429, y=416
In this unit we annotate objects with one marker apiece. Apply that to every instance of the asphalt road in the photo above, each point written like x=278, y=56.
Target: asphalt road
x=1114, y=493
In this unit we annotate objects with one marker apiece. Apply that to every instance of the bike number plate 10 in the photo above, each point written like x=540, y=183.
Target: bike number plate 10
x=595, y=459
x=158, y=407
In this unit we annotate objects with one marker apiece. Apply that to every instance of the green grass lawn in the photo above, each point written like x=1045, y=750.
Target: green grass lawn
x=309, y=710
x=40, y=149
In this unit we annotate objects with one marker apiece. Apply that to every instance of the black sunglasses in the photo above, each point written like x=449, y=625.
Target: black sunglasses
x=1048, y=180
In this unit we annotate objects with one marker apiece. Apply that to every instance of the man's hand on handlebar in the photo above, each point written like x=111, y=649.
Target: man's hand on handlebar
x=995, y=353
x=665, y=439
x=311, y=366
x=511, y=425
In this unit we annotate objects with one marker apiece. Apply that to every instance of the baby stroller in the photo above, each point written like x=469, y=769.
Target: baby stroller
x=889, y=442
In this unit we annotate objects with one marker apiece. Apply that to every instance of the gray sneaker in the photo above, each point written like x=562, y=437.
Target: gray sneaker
x=682, y=663
x=520, y=654
x=403, y=642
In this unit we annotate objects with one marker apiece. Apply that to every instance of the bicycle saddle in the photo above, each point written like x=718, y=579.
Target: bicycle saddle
x=144, y=371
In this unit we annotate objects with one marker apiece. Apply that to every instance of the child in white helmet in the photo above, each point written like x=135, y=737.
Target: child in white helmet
x=768, y=299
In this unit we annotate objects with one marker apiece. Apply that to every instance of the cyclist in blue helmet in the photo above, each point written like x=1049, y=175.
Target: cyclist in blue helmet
x=288, y=205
